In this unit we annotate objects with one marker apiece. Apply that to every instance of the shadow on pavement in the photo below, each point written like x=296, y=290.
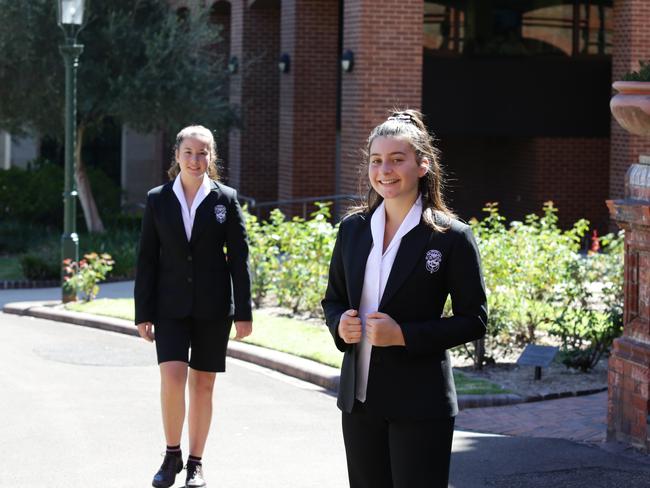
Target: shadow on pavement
x=483, y=460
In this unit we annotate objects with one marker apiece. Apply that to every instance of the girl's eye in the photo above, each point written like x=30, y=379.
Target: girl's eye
x=397, y=161
x=375, y=161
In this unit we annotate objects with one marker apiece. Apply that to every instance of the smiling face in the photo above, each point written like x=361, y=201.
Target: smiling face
x=193, y=156
x=393, y=170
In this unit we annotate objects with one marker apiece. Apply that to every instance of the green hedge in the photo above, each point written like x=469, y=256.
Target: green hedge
x=34, y=196
x=539, y=282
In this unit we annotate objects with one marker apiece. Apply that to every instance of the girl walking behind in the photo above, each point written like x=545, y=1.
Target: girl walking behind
x=395, y=261
x=183, y=292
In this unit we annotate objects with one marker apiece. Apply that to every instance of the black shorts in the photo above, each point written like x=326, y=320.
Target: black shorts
x=207, y=339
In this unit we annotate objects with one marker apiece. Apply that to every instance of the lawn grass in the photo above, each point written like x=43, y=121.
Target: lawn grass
x=271, y=331
x=476, y=386
x=121, y=308
x=285, y=334
x=10, y=268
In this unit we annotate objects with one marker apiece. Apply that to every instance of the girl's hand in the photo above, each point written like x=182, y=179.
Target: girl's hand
x=244, y=329
x=145, y=329
x=349, y=328
x=383, y=331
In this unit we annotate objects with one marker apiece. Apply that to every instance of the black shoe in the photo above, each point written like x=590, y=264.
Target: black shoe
x=166, y=475
x=194, y=476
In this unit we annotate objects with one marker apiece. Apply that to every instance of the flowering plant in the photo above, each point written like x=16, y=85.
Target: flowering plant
x=81, y=278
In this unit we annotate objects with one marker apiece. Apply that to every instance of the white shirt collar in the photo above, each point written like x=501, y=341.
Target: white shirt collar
x=202, y=192
x=378, y=224
x=189, y=213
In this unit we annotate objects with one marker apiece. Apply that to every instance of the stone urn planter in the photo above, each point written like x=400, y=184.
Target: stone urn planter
x=628, y=418
x=631, y=106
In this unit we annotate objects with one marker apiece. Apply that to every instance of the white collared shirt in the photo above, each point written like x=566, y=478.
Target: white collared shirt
x=378, y=269
x=189, y=213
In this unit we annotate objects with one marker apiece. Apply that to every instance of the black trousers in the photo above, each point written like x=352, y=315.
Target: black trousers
x=396, y=453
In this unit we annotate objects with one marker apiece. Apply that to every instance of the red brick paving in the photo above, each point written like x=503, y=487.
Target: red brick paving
x=580, y=419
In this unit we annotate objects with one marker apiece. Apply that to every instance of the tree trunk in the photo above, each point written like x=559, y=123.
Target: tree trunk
x=91, y=214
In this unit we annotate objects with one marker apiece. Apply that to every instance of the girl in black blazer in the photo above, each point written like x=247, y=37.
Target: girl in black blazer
x=189, y=290
x=395, y=261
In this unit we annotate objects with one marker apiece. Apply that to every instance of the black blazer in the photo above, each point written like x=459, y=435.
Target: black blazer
x=176, y=278
x=415, y=381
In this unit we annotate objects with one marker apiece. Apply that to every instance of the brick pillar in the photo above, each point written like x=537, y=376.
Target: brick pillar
x=629, y=365
x=631, y=44
x=307, y=150
x=220, y=18
x=253, y=148
x=386, y=39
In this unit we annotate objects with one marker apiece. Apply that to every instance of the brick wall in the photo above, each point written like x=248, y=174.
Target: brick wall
x=522, y=173
x=386, y=39
x=255, y=40
x=631, y=44
x=220, y=17
x=307, y=118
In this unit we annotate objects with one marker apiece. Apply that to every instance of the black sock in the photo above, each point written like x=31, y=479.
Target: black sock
x=194, y=459
x=175, y=450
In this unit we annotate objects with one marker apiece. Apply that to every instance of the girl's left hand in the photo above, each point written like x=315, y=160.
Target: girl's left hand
x=382, y=330
x=244, y=328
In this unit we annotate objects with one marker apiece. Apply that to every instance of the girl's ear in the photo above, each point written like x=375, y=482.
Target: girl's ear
x=423, y=167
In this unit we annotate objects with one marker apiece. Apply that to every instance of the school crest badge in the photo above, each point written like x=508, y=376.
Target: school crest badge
x=220, y=213
x=432, y=260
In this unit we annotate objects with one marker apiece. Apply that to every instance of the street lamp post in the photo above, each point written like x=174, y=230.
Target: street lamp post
x=70, y=19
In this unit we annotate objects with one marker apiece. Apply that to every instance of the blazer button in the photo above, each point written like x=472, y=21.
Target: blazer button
x=189, y=280
x=189, y=257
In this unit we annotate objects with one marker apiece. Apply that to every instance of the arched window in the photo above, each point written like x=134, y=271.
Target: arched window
x=444, y=27
x=518, y=28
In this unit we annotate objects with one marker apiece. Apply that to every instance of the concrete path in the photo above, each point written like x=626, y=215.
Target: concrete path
x=119, y=289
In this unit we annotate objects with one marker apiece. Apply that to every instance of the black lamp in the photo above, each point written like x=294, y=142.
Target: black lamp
x=233, y=65
x=70, y=16
x=284, y=63
x=347, y=61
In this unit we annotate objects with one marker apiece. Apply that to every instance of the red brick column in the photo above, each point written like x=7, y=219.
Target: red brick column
x=386, y=39
x=629, y=365
x=631, y=44
x=253, y=154
x=307, y=149
x=220, y=18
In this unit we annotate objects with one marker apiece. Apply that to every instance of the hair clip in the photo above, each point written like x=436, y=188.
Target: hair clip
x=401, y=118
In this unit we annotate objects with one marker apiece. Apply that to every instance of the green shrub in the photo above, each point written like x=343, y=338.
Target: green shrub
x=533, y=276
x=642, y=75
x=42, y=260
x=35, y=195
x=290, y=258
x=42, y=263
x=82, y=278
x=32, y=195
x=591, y=317
x=16, y=236
x=264, y=249
x=121, y=244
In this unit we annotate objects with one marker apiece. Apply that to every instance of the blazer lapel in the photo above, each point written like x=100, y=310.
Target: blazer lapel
x=205, y=212
x=409, y=253
x=357, y=264
x=173, y=210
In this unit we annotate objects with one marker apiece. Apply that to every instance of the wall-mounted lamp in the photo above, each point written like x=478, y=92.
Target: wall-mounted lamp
x=233, y=65
x=284, y=62
x=347, y=61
